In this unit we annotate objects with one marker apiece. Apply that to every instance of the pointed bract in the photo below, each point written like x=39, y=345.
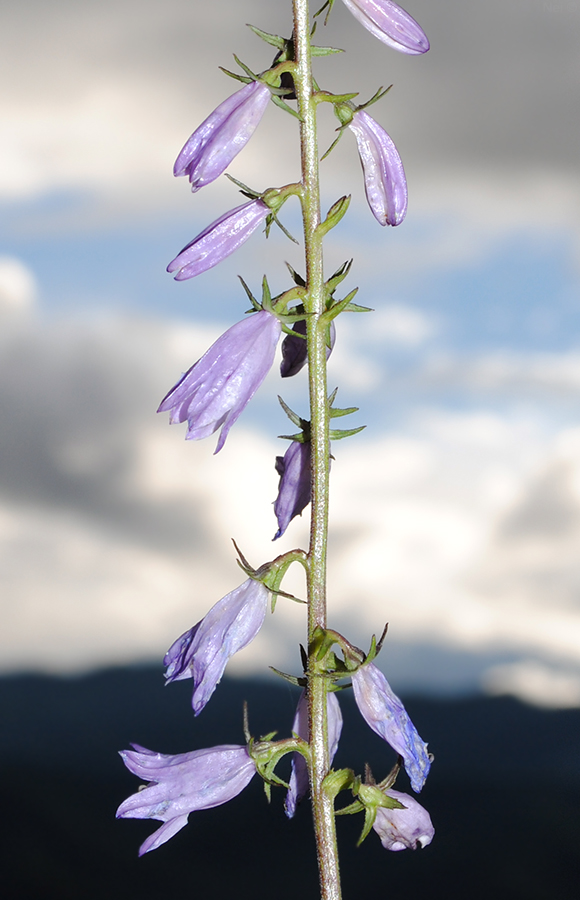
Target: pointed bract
x=182, y=784
x=225, y=132
x=388, y=22
x=384, y=175
x=298, y=784
x=218, y=387
x=294, y=487
x=202, y=652
x=384, y=713
x=218, y=240
x=404, y=829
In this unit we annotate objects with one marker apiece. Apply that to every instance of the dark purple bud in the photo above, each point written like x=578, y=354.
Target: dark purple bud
x=182, y=784
x=202, y=652
x=298, y=784
x=384, y=713
x=225, y=132
x=390, y=24
x=404, y=829
x=385, y=182
x=218, y=387
x=295, y=350
x=218, y=240
x=294, y=487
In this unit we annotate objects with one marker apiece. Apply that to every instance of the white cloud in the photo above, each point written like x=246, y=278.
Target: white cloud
x=533, y=682
x=18, y=287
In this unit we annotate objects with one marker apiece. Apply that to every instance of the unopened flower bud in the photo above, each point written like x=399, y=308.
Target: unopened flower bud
x=388, y=22
x=219, y=139
x=218, y=240
x=385, y=181
x=294, y=487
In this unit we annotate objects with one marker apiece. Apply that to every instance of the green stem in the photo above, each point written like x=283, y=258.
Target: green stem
x=322, y=805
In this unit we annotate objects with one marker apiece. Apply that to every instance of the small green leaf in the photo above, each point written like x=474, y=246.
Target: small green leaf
x=273, y=39
x=338, y=434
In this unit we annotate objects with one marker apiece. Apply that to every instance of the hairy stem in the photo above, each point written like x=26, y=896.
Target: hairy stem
x=323, y=811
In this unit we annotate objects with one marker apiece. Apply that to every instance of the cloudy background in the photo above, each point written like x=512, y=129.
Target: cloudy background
x=456, y=514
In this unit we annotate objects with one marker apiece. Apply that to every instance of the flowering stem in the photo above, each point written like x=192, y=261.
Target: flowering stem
x=323, y=811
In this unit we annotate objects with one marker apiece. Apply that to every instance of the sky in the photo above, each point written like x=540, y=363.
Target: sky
x=455, y=515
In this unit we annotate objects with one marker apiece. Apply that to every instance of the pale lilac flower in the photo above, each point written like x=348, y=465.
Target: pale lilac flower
x=298, y=784
x=218, y=240
x=385, y=182
x=294, y=487
x=202, y=652
x=390, y=24
x=295, y=350
x=218, y=387
x=225, y=132
x=403, y=829
x=384, y=713
x=182, y=784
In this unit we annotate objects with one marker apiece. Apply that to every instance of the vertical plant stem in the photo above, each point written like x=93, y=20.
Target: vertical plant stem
x=323, y=809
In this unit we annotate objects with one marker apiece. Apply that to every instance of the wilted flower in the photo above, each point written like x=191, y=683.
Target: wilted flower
x=402, y=829
x=390, y=24
x=298, y=784
x=225, y=132
x=294, y=487
x=384, y=713
x=202, y=652
x=385, y=182
x=181, y=784
x=218, y=240
x=295, y=350
x=218, y=387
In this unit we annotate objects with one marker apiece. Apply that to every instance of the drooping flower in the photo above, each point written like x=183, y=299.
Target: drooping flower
x=385, y=182
x=218, y=240
x=202, y=652
x=385, y=714
x=298, y=784
x=295, y=350
x=294, y=487
x=390, y=24
x=182, y=784
x=219, y=139
x=218, y=387
x=404, y=829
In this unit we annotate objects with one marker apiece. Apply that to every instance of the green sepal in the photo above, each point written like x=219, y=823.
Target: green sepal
x=328, y=97
x=338, y=277
x=350, y=810
x=325, y=51
x=244, y=189
x=293, y=679
x=336, y=212
x=337, y=413
x=333, y=145
x=246, y=69
x=296, y=278
x=329, y=4
x=355, y=307
x=370, y=816
x=273, y=39
x=294, y=417
x=338, y=307
x=251, y=298
x=283, y=105
x=378, y=95
x=235, y=75
x=337, y=434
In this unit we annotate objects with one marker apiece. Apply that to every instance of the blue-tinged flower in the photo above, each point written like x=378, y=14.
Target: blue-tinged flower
x=384, y=713
x=295, y=349
x=225, y=132
x=403, y=829
x=202, y=652
x=218, y=240
x=385, y=182
x=218, y=387
x=390, y=24
x=182, y=784
x=298, y=784
x=294, y=487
